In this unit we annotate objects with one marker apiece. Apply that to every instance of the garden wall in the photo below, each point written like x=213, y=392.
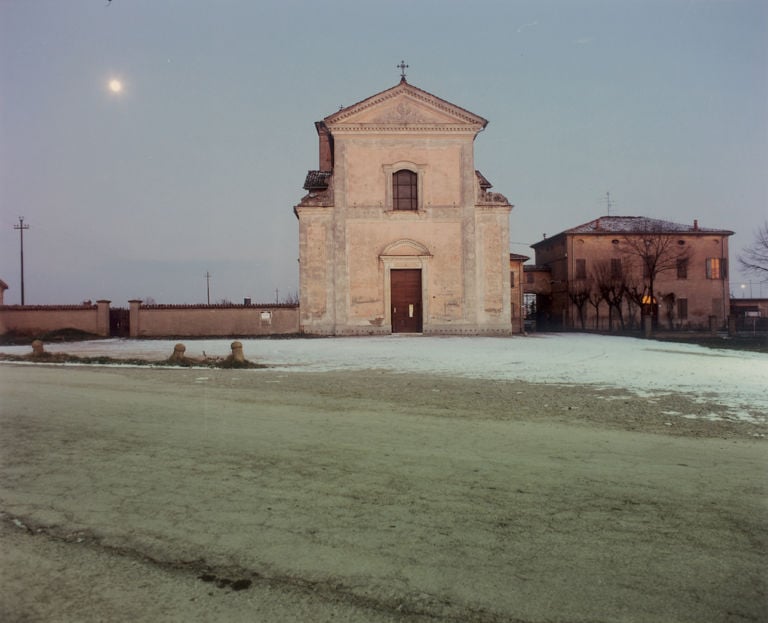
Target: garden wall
x=40, y=319
x=212, y=320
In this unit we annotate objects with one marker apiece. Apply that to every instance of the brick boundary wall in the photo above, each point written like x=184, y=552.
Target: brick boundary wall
x=39, y=319
x=212, y=320
x=154, y=320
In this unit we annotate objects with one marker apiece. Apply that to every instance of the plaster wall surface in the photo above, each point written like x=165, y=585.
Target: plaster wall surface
x=36, y=320
x=205, y=321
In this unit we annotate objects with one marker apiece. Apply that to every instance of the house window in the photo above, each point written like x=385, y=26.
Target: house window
x=615, y=268
x=512, y=279
x=581, y=269
x=717, y=268
x=405, y=190
x=682, y=269
x=682, y=309
x=528, y=277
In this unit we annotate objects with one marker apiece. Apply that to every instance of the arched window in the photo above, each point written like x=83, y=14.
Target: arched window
x=404, y=190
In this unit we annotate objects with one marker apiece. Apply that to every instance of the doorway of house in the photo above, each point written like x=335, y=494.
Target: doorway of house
x=406, y=300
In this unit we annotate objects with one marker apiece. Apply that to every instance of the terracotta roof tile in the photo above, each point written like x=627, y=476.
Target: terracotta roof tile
x=317, y=180
x=638, y=224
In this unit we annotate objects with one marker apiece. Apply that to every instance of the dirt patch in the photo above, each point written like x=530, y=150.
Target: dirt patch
x=371, y=496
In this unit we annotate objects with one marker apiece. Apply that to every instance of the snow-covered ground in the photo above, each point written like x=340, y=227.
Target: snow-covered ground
x=734, y=378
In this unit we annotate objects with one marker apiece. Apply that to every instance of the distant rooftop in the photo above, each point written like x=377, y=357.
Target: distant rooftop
x=638, y=225
x=518, y=257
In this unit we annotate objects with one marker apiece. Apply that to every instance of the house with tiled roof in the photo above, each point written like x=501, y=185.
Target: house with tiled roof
x=611, y=272
x=398, y=232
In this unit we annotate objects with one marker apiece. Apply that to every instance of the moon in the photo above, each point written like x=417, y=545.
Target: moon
x=115, y=86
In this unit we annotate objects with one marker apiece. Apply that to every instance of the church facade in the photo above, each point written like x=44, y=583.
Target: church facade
x=398, y=232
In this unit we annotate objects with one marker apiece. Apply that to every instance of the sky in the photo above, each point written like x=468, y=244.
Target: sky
x=194, y=166
x=732, y=378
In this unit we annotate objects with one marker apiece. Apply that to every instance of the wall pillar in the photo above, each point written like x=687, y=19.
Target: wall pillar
x=102, y=317
x=133, y=320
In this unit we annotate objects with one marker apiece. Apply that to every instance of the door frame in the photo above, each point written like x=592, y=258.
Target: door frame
x=401, y=254
x=417, y=319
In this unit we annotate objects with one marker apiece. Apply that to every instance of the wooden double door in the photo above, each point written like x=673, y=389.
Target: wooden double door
x=405, y=299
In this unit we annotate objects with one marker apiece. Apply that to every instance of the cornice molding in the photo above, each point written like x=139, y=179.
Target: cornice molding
x=336, y=120
x=405, y=128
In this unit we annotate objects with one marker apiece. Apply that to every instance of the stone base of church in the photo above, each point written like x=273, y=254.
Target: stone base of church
x=361, y=330
x=468, y=330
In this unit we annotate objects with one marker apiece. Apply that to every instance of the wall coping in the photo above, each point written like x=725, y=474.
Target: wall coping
x=220, y=306
x=48, y=307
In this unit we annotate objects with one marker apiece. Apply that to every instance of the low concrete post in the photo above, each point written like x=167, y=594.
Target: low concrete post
x=178, y=353
x=237, y=352
x=102, y=317
x=37, y=349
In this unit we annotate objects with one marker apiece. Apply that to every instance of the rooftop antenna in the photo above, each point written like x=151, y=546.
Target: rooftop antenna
x=21, y=227
x=207, y=276
x=608, y=203
x=402, y=67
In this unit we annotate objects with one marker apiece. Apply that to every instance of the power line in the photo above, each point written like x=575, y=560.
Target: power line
x=21, y=227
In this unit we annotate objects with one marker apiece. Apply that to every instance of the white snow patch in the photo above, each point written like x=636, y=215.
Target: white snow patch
x=649, y=369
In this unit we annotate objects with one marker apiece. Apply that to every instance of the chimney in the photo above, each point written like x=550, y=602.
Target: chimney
x=695, y=224
x=326, y=146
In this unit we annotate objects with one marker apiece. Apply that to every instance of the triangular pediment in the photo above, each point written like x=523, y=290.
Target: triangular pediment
x=404, y=107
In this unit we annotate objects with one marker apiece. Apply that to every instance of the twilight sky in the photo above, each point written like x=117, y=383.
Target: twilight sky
x=196, y=164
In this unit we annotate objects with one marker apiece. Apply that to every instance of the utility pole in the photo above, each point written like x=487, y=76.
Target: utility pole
x=208, y=286
x=21, y=227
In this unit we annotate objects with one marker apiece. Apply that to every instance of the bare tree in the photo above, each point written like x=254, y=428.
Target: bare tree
x=669, y=305
x=657, y=252
x=610, y=283
x=578, y=292
x=634, y=289
x=595, y=299
x=292, y=298
x=755, y=257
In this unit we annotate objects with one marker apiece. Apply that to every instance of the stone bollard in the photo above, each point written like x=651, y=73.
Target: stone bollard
x=237, y=352
x=178, y=353
x=37, y=349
